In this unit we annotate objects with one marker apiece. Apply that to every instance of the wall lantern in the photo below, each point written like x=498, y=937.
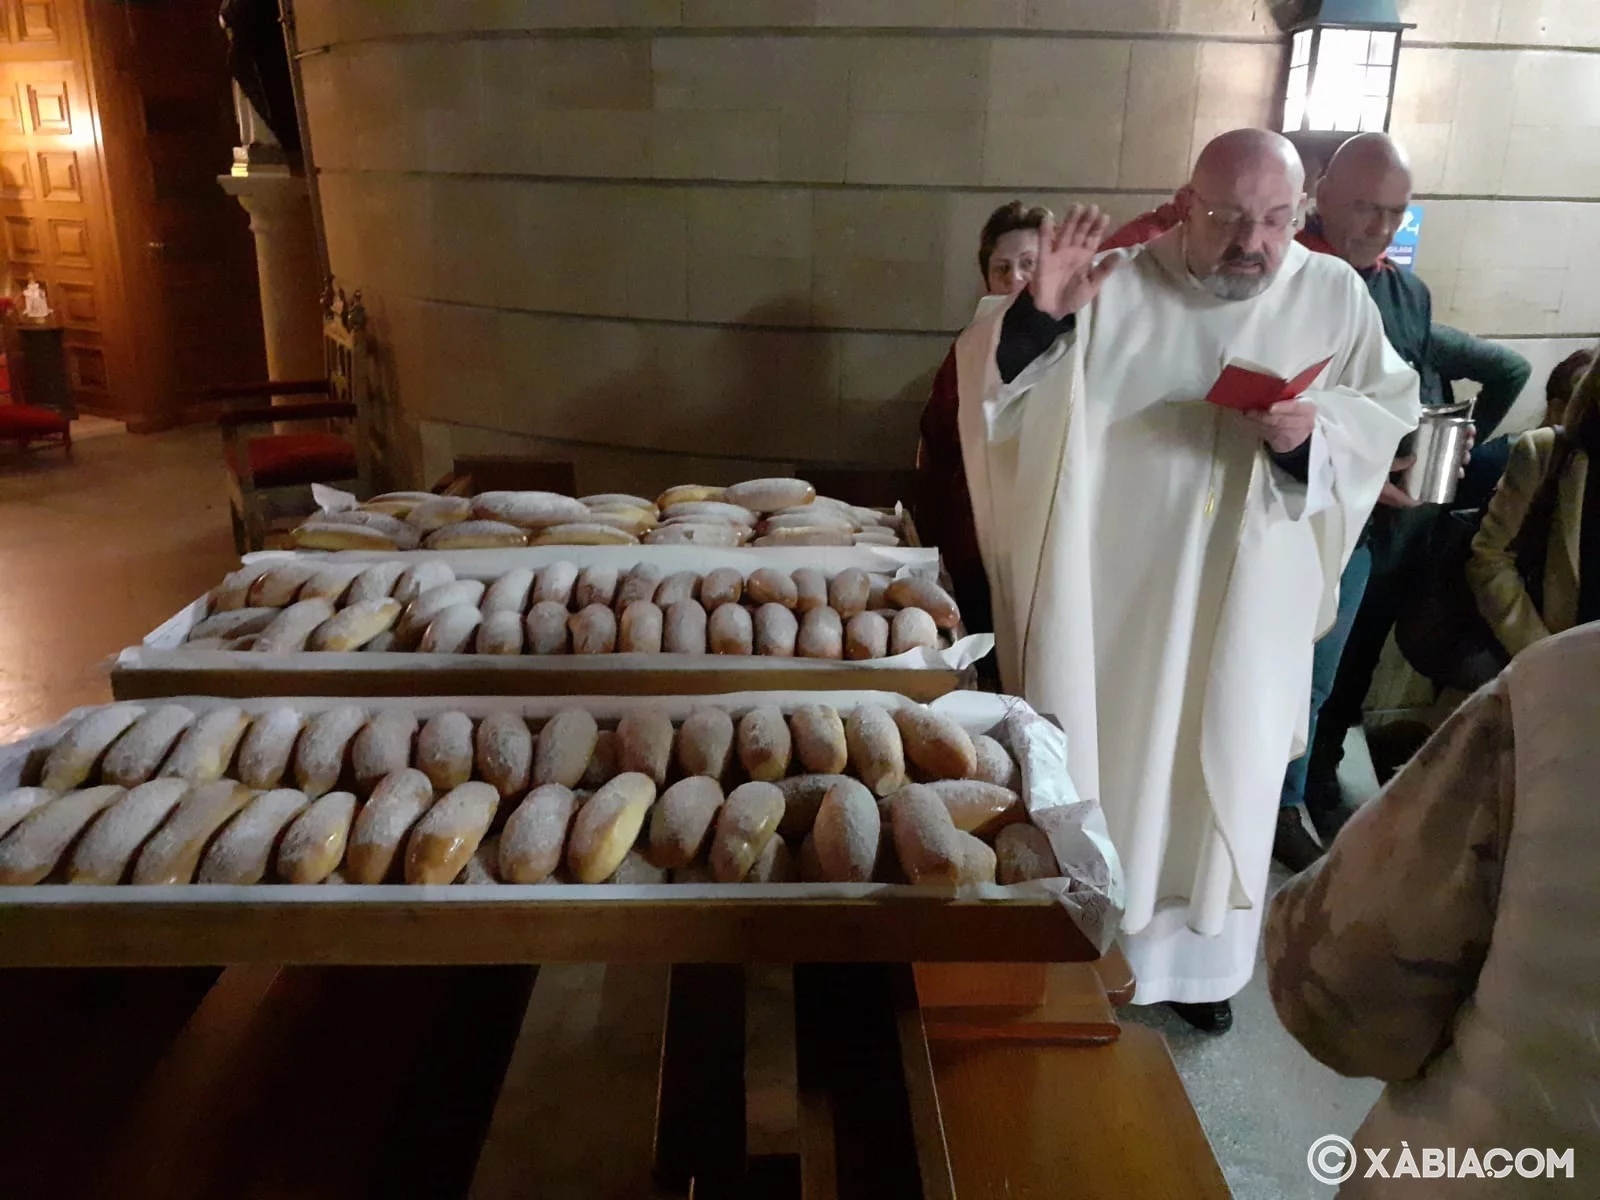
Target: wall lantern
x=1343, y=59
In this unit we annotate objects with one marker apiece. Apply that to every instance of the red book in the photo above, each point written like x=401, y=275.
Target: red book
x=1246, y=388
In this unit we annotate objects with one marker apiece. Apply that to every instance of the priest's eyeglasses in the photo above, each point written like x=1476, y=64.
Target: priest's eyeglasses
x=1237, y=221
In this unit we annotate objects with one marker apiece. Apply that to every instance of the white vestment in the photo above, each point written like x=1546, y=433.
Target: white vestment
x=1158, y=581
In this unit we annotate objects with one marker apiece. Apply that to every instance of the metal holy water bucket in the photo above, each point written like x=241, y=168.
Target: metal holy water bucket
x=1440, y=439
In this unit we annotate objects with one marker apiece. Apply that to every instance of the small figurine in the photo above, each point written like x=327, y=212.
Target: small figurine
x=34, y=305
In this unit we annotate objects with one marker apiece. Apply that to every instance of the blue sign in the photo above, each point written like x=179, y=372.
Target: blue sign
x=1403, y=251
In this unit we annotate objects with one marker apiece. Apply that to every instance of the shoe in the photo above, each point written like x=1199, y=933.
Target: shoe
x=1328, y=821
x=1213, y=1017
x=1292, y=844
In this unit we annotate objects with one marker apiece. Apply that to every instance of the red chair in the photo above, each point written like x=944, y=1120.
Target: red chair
x=26, y=426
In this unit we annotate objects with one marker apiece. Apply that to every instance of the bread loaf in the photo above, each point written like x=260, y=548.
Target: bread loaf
x=912, y=629
x=935, y=744
x=602, y=763
x=978, y=807
x=730, y=630
x=1023, y=852
x=687, y=493
x=103, y=853
x=705, y=743
x=137, y=755
x=721, y=586
x=396, y=804
x=769, y=495
x=846, y=833
x=776, y=631
x=451, y=631
x=421, y=578
x=764, y=744
x=449, y=832
x=504, y=752
x=918, y=591
x=536, y=834
x=330, y=583
x=747, y=820
x=607, y=826
x=173, y=851
x=21, y=803
x=234, y=591
x=444, y=750
x=596, y=585
x=776, y=864
x=419, y=614
x=802, y=797
x=74, y=758
x=36, y=843
x=930, y=848
x=476, y=535
x=810, y=589
x=279, y=586
x=555, y=584
x=995, y=764
x=588, y=532
x=821, y=635
x=768, y=585
x=639, y=632
x=319, y=756
x=696, y=511
x=639, y=583
x=546, y=627
x=509, y=593
x=848, y=592
x=205, y=751
x=866, y=636
x=684, y=629
x=565, y=746
x=680, y=822
x=382, y=747
x=264, y=752
x=877, y=756
x=295, y=624
x=354, y=626
x=819, y=743
x=331, y=535
x=237, y=622
x=644, y=743
x=594, y=630
x=240, y=853
x=529, y=510
x=438, y=512
x=313, y=845
x=500, y=634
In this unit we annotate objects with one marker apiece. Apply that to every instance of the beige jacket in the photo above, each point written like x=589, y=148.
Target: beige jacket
x=1448, y=942
x=1498, y=589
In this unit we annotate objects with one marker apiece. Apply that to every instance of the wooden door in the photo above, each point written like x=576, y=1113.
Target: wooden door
x=53, y=209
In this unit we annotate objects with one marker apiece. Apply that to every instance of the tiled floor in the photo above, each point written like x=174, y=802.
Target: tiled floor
x=96, y=551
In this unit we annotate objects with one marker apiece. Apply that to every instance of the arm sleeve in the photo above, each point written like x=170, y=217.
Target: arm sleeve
x=1372, y=951
x=1025, y=334
x=1501, y=373
x=1497, y=586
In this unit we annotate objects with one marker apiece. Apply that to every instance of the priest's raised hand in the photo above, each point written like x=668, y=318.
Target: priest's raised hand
x=1286, y=426
x=1067, y=277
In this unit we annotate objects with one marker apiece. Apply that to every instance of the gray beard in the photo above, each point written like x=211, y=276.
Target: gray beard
x=1234, y=287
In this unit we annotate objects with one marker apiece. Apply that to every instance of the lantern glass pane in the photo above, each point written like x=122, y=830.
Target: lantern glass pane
x=1300, y=53
x=1378, y=82
x=1374, y=110
x=1340, y=83
x=1382, y=49
x=1294, y=108
x=1342, y=47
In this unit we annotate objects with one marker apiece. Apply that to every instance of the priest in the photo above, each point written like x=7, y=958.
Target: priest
x=1161, y=564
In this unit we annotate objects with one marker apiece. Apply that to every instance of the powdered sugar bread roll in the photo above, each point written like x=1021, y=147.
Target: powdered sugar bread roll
x=978, y=861
x=866, y=636
x=353, y=626
x=730, y=630
x=764, y=744
x=530, y=510
x=546, y=627
x=504, y=751
x=776, y=631
x=930, y=848
x=279, y=586
x=607, y=826
x=617, y=500
x=769, y=495
x=979, y=807
x=818, y=733
x=678, y=587
x=535, y=836
x=721, y=586
x=639, y=583
x=995, y=764
x=509, y=593
x=705, y=743
x=20, y=803
x=1022, y=852
x=878, y=591
x=747, y=821
x=877, y=756
x=173, y=851
x=103, y=853
x=776, y=864
x=687, y=493
x=555, y=584
x=444, y=839
x=74, y=758
x=419, y=614
x=706, y=533
x=476, y=535
x=696, y=511
x=438, y=512
x=810, y=535
x=683, y=630
x=810, y=589
x=238, y=622
x=382, y=747
x=234, y=590
x=877, y=537
x=137, y=755
x=768, y=585
x=33, y=847
x=636, y=869
x=912, y=629
x=451, y=631
x=680, y=822
x=589, y=532
x=846, y=833
x=319, y=755
x=594, y=630
x=500, y=634
x=484, y=865
x=293, y=628
x=602, y=763
x=918, y=591
x=595, y=585
x=205, y=751
x=338, y=535
x=380, y=828
x=565, y=746
x=935, y=744
x=313, y=845
x=241, y=852
x=384, y=643
x=422, y=577
x=640, y=630
x=644, y=743
x=330, y=583
x=802, y=797
x=810, y=516
x=821, y=635
x=848, y=592
x=264, y=752
x=377, y=582
x=444, y=750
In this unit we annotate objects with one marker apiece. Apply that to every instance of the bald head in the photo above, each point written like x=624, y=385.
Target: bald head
x=1242, y=153
x=1362, y=197
x=1240, y=210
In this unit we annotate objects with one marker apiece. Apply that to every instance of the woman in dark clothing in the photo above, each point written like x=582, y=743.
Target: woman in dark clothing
x=1007, y=250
